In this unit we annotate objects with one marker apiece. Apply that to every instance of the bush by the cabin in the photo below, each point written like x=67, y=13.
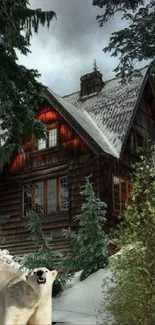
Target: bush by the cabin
x=89, y=243
x=131, y=298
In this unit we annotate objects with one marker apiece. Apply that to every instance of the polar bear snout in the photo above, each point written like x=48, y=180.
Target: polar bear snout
x=41, y=276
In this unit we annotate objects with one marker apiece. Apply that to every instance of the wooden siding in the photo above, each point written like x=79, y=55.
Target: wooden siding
x=72, y=158
x=78, y=171
x=15, y=231
x=143, y=123
x=69, y=145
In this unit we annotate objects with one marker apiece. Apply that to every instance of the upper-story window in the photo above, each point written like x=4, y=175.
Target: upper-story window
x=52, y=137
x=136, y=141
x=41, y=144
x=50, y=141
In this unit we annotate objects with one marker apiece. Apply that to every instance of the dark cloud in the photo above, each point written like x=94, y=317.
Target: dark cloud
x=67, y=50
x=76, y=29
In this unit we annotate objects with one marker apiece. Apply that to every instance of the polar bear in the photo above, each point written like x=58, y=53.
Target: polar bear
x=26, y=299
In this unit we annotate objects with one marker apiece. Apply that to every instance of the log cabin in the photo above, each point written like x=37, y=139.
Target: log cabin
x=95, y=131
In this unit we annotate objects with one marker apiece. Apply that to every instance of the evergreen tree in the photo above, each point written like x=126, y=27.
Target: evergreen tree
x=89, y=243
x=131, y=297
x=136, y=42
x=43, y=254
x=20, y=92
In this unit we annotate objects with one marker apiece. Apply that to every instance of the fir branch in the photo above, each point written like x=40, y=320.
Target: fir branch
x=136, y=42
x=20, y=92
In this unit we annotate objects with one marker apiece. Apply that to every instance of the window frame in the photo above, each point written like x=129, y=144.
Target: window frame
x=50, y=127
x=39, y=141
x=45, y=196
x=128, y=185
x=134, y=138
x=48, y=137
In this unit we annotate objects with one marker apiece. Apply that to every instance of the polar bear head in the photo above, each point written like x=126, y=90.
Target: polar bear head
x=41, y=279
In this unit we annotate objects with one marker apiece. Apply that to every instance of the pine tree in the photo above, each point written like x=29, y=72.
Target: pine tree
x=136, y=42
x=131, y=297
x=89, y=244
x=43, y=254
x=20, y=92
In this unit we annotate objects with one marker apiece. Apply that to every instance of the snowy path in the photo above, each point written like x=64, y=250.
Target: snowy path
x=80, y=301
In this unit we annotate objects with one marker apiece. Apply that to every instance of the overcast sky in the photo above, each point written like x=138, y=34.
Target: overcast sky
x=67, y=50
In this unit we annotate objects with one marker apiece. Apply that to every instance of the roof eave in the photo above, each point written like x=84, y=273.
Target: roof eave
x=76, y=126
x=72, y=122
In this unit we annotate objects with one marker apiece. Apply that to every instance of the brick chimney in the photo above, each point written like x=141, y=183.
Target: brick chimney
x=91, y=83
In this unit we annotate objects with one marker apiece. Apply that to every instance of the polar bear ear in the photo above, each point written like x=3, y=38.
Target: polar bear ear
x=54, y=273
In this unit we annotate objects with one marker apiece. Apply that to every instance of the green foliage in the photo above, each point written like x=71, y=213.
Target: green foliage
x=20, y=92
x=36, y=232
x=131, y=297
x=89, y=244
x=137, y=40
x=43, y=255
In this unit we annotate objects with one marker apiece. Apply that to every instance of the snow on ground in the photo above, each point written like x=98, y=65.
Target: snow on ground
x=80, y=301
x=9, y=259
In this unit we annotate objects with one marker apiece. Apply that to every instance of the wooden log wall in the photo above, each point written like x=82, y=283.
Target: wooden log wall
x=143, y=122
x=69, y=144
x=71, y=157
x=106, y=170
x=15, y=230
x=77, y=172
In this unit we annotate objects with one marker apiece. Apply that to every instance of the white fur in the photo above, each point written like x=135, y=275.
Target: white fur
x=22, y=300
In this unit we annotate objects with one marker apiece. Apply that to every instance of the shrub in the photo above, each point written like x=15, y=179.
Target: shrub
x=131, y=299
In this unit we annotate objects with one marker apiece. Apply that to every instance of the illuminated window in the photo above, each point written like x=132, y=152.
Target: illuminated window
x=46, y=197
x=121, y=189
x=51, y=141
x=41, y=144
x=52, y=137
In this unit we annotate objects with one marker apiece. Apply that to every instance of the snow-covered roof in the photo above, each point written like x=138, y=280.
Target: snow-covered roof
x=106, y=116
x=86, y=122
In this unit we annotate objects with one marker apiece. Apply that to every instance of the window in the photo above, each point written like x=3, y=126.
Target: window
x=47, y=196
x=137, y=141
x=121, y=189
x=52, y=195
x=41, y=144
x=51, y=141
x=39, y=197
x=52, y=137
